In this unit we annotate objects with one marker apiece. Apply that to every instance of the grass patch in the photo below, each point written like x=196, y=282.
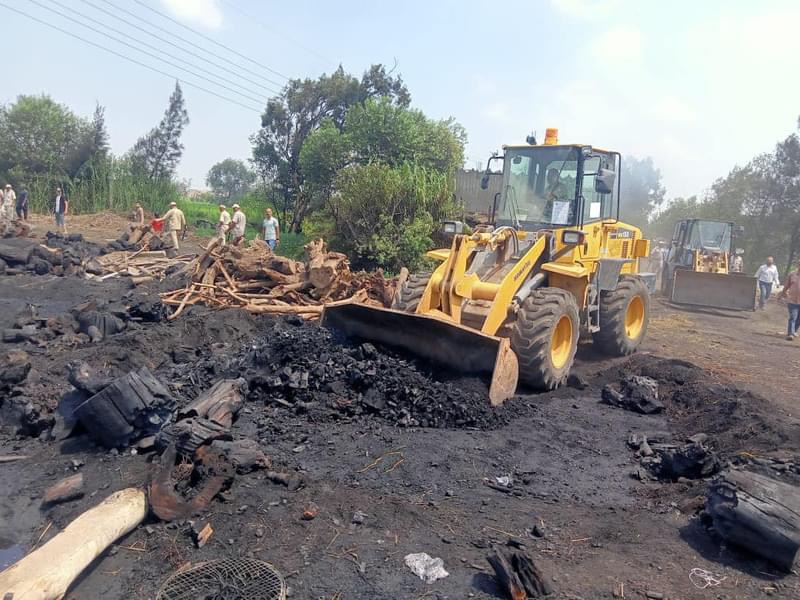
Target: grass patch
x=202, y=218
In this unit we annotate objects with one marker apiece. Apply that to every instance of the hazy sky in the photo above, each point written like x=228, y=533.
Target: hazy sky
x=699, y=86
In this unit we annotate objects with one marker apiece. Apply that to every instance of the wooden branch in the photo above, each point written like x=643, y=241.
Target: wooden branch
x=182, y=304
x=47, y=573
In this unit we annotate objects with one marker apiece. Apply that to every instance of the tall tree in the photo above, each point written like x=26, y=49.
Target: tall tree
x=300, y=109
x=230, y=178
x=641, y=192
x=386, y=179
x=157, y=154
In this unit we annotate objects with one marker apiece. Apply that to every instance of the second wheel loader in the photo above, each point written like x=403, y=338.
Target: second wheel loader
x=512, y=299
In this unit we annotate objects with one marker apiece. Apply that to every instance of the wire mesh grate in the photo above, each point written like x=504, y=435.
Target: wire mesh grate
x=227, y=579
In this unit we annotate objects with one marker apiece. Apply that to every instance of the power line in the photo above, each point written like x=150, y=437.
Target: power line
x=133, y=60
x=212, y=40
x=190, y=42
x=257, y=21
x=156, y=56
x=181, y=48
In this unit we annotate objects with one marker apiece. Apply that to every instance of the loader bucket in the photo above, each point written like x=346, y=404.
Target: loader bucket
x=714, y=290
x=448, y=344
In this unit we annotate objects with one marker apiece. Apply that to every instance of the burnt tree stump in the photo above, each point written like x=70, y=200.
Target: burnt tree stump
x=758, y=514
x=134, y=405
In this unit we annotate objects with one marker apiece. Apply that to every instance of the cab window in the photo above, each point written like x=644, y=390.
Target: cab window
x=596, y=206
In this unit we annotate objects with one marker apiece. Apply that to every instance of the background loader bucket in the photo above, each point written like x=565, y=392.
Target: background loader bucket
x=714, y=290
x=454, y=346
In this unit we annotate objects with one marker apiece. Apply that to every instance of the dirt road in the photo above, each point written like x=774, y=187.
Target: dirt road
x=384, y=491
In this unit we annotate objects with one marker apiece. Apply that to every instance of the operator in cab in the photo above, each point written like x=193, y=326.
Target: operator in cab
x=556, y=194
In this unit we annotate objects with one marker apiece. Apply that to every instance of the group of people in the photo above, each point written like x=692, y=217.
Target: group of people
x=236, y=225
x=15, y=206
x=768, y=279
x=12, y=205
x=229, y=227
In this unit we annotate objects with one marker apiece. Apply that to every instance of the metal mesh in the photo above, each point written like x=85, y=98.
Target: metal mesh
x=227, y=579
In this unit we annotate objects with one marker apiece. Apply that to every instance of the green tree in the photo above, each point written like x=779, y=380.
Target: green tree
x=642, y=192
x=386, y=178
x=157, y=154
x=298, y=111
x=230, y=178
x=39, y=136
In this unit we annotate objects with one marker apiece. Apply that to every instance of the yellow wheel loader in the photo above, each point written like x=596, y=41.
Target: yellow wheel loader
x=511, y=300
x=696, y=269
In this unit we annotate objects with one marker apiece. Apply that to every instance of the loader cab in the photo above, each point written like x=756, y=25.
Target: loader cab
x=548, y=187
x=699, y=235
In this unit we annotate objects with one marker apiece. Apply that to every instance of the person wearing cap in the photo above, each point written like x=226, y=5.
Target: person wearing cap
x=223, y=224
x=59, y=206
x=238, y=225
x=271, y=229
x=9, y=202
x=175, y=222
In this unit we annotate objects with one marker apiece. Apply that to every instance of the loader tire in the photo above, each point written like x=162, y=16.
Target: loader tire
x=410, y=293
x=624, y=316
x=545, y=337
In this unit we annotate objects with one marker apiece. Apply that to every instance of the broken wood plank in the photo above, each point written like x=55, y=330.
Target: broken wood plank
x=182, y=304
x=48, y=572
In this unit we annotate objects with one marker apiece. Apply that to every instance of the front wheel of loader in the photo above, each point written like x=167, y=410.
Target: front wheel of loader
x=545, y=337
x=408, y=295
x=624, y=316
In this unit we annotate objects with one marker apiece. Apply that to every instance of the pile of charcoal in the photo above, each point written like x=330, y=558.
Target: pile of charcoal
x=302, y=367
x=59, y=255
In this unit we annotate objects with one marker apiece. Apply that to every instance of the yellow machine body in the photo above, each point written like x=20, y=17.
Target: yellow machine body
x=462, y=320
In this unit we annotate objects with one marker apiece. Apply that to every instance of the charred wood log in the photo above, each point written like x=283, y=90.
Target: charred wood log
x=758, y=514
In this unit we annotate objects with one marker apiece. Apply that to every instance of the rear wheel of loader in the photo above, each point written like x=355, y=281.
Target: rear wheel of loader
x=624, y=316
x=407, y=297
x=545, y=337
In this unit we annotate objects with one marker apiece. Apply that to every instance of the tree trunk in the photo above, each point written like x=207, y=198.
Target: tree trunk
x=47, y=573
x=757, y=513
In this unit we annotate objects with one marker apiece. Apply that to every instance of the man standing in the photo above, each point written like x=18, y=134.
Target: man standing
x=767, y=276
x=737, y=263
x=22, y=204
x=223, y=224
x=9, y=202
x=271, y=229
x=138, y=215
x=238, y=224
x=60, y=205
x=791, y=293
x=175, y=222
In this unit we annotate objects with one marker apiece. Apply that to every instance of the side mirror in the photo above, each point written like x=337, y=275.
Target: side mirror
x=485, y=181
x=604, y=181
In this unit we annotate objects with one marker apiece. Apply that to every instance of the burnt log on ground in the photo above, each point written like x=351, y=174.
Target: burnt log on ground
x=519, y=576
x=134, y=405
x=188, y=435
x=220, y=403
x=16, y=254
x=758, y=514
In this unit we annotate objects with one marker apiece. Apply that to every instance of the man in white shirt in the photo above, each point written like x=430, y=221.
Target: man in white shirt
x=271, y=229
x=9, y=203
x=223, y=224
x=60, y=206
x=737, y=263
x=175, y=222
x=238, y=224
x=767, y=276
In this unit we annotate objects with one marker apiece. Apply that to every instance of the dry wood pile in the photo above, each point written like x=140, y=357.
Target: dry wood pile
x=141, y=266
x=14, y=228
x=256, y=279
